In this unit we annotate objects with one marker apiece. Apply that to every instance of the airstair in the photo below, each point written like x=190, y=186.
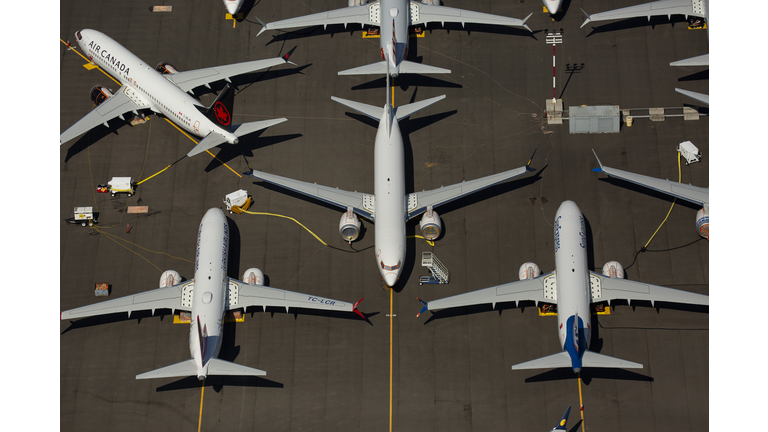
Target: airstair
x=440, y=274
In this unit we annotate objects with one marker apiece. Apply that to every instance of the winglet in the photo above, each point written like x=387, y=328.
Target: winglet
x=524, y=25
x=287, y=56
x=528, y=165
x=587, y=20
x=598, y=162
x=354, y=308
x=561, y=425
x=424, y=309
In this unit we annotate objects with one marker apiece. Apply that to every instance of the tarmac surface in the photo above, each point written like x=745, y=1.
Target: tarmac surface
x=331, y=372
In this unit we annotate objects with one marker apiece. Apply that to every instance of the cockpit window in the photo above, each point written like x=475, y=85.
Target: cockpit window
x=390, y=268
x=79, y=36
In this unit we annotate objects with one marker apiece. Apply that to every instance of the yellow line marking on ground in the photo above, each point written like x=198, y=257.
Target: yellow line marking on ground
x=581, y=404
x=200, y=418
x=391, y=296
x=193, y=140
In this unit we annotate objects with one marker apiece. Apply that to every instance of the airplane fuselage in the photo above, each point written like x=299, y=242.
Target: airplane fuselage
x=573, y=286
x=394, y=19
x=145, y=85
x=210, y=290
x=389, y=190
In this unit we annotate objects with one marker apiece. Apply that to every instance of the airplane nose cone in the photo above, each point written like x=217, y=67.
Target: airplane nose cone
x=232, y=8
x=390, y=279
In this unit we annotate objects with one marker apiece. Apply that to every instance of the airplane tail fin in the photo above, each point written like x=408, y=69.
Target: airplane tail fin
x=220, y=111
x=213, y=139
x=561, y=424
x=406, y=67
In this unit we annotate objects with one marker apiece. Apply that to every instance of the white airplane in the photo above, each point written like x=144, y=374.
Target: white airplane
x=233, y=6
x=687, y=192
x=164, y=91
x=208, y=296
x=389, y=207
x=696, y=8
x=393, y=17
x=572, y=287
x=552, y=5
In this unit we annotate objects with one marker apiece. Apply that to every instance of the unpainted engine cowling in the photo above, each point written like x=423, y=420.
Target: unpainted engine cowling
x=702, y=222
x=99, y=94
x=431, y=2
x=349, y=226
x=613, y=269
x=529, y=270
x=431, y=226
x=253, y=276
x=169, y=278
x=353, y=3
x=166, y=68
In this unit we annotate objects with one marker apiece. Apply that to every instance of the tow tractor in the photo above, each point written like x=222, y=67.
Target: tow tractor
x=117, y=185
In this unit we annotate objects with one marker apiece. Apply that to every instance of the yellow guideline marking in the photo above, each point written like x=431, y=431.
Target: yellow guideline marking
x=391, y=294
x=581, y=404
x=193, y=140
x=200, y=419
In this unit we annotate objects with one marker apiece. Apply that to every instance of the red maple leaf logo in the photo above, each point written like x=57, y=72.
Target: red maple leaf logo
x=221, y=113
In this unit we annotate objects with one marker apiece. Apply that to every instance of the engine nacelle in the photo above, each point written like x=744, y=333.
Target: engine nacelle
x=349, y=226
x=431, y=2
x=253, y=276
x=613, y=269
x=169, y=278
x=99, y=94
x=702, y=222
x=353, y=3
x=431, y=226
x=529, y=270
x=166, y=68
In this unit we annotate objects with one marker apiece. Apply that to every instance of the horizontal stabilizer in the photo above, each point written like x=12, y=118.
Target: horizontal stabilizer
x=181, y=369
x=376, y=113
x=593, y=359
x=702, y=60
x=213, y=139
x=222, y=367
x=404, y=68
x=404, y=111
x=561, y=359
x=701, y=97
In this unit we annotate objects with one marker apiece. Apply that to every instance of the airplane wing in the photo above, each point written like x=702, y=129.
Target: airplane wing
x=701, y=97
x=365, y=14
x=115, y=106
x=420, y=201
x=686, y=192
x=243, y=295
x=360, y=203
x=622, y=289
x=662, y=7
x=161, y=298
x=187, y=80
x=422, y=14
x=525, y=290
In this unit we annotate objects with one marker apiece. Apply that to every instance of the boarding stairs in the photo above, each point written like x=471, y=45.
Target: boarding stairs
x=440, y=274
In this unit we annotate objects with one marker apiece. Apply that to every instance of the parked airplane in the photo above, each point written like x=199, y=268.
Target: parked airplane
x=552, y=5
x=208, y=296
x=233, y=6
x=572, y=291
x=163, y=90
x=561, y=425
x=687, y=192
x=393, y=17
x=390, y=207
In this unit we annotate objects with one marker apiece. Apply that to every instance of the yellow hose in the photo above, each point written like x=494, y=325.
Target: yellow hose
x=679, y=180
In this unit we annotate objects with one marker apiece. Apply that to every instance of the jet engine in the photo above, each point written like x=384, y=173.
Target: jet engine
x=613, y=269
x=529, y=270
x=166, y=68
x=169, y=278
x=253, y=276
x=431, y=2
x=353, y=3
x=702, y=222
x=430, y=225
x=349, y=226
x=99, y=94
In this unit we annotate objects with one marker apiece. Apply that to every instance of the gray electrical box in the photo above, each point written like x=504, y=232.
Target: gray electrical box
x=594, y=119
